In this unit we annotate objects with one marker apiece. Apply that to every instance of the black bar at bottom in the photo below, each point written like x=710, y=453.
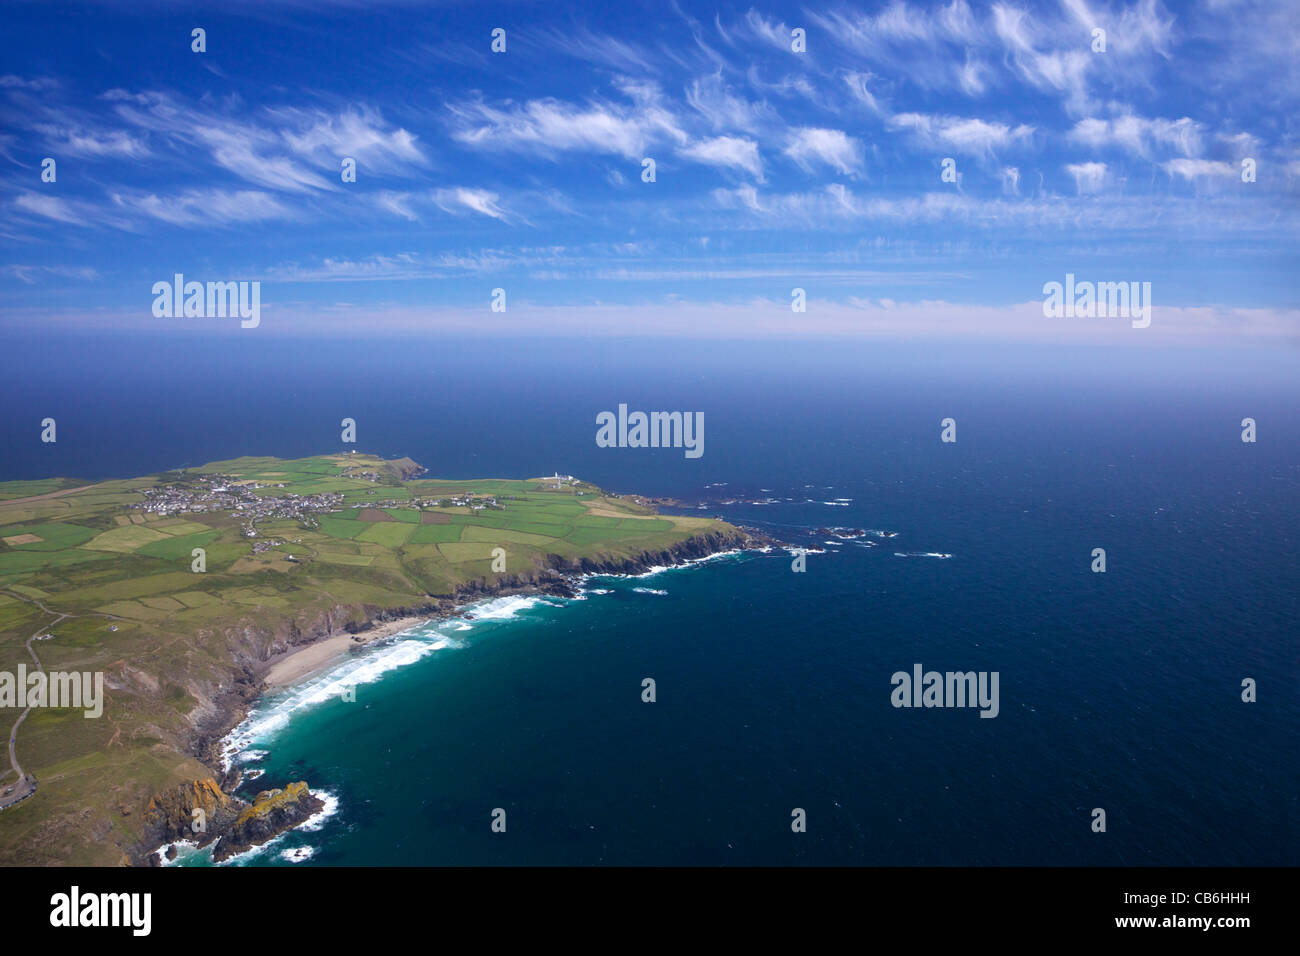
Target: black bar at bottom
x=332, y=906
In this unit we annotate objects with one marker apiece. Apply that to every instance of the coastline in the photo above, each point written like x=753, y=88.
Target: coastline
x=299, y=664
x=304, y=660
x=300, y=661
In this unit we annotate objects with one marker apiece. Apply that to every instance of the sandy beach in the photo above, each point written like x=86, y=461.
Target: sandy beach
x=300, y=661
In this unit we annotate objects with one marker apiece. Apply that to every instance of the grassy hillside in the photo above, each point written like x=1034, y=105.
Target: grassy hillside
x=292, y=550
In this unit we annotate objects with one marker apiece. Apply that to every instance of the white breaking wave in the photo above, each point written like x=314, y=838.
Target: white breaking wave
x=661, y=568
x=921, y=554
x=310, y=825
x=184, y=850
x=318, y=819
x=188, y=849
x=502, y=608
x=365, y=667
x=650, y=591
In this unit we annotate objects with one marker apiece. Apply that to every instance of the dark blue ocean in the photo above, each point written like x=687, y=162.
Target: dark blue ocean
x=1119, y=691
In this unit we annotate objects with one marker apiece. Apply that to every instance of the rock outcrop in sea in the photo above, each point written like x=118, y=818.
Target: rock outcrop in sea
x=234, y=825
x=270, y=814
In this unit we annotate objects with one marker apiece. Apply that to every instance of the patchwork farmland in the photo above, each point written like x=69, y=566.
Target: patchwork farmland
x=178, y=585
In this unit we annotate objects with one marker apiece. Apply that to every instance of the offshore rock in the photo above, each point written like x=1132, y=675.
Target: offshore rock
x=233, y=824
x=270, y=814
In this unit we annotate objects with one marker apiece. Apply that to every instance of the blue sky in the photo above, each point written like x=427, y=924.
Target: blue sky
x=774, y=169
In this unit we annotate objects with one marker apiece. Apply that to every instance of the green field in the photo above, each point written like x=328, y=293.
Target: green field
x=391, y=534
x=169, y=639
x=129, y=538
x=435, y=533
x=54, y=536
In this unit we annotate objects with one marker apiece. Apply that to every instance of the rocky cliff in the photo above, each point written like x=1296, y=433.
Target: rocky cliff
x=271, y=813
x=171, y=815
x=231, y=823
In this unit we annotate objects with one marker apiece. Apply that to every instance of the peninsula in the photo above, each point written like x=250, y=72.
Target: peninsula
x=193, y=590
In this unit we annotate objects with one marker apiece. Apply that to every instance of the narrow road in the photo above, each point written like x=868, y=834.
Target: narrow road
x=26, y=785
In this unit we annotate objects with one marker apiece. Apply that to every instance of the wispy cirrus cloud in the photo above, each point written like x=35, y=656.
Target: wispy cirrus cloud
x=1201, y=169
x=935, y=47
x=838, y=207
x=80, y=141
x=773, y=32
x=977, y=49
x=862, y=89
x=67, y=211
x=359, y=132
x=723, y=108
x=1088, y=177
x=754, y=142
x=1059, y=70
x=29, y=273
x=206, y=206
x=50, y=207
x=602, y=49
x=551, y=126
x=971, y=136
x=398, y=203
x=733, y=152
x=285, y=149
x=809, y=146
x=34, y=84
x=1141, y=136
x=461, y=199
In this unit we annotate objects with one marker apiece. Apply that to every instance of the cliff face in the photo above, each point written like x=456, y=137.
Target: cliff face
x=170, y=815
x=404, y=468
x=555, y=577
x=697, y=546
x=231, y=823
x=271, y=813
